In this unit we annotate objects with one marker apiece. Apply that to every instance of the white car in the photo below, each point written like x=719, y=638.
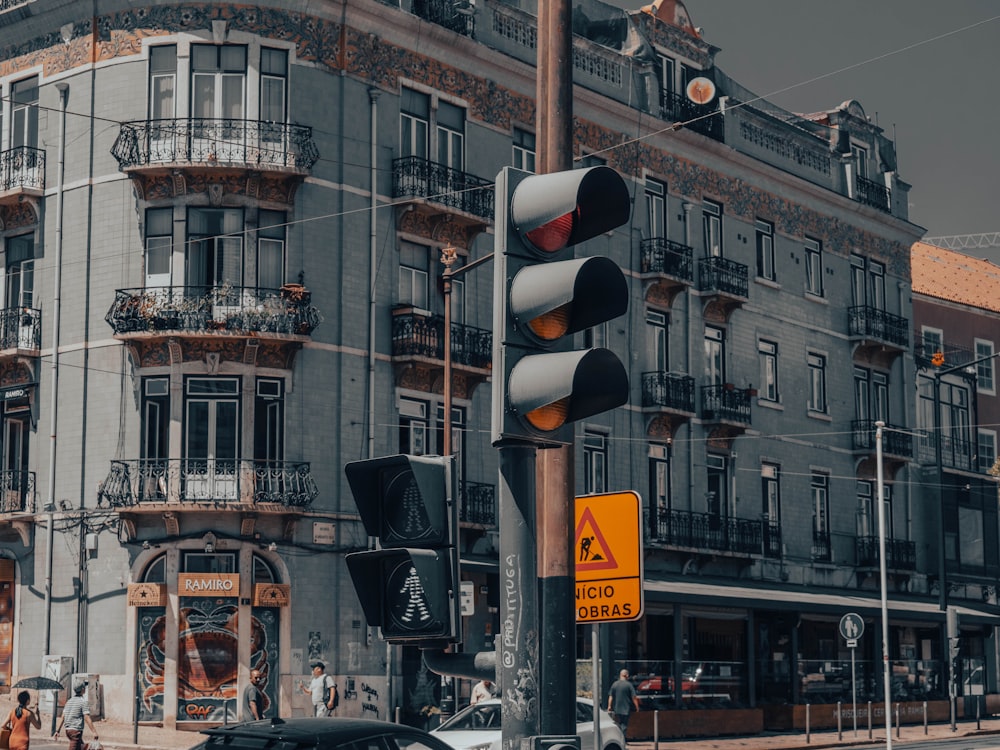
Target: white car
x=478, y=727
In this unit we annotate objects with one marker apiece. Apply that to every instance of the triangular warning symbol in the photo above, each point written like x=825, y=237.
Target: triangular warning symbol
x=592, y=550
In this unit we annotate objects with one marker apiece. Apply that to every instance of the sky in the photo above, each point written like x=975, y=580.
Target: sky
x=927, y=72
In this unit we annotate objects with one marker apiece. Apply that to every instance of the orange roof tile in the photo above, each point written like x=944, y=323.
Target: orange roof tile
x=956, y=277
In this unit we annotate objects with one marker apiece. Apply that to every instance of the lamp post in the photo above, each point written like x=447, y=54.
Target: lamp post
x=883, y=579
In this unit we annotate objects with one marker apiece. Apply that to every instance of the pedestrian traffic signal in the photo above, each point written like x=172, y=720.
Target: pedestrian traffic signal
x=408, y=587
x=542, y=296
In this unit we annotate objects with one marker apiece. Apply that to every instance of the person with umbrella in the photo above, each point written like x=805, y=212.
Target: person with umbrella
x=21, y=720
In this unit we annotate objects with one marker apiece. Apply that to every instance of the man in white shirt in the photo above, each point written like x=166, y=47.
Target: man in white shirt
x=322, y=686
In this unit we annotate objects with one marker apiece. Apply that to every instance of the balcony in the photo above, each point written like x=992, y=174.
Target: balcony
x=822, y=550
x=22, y=174
x=201, y=142
x=668, y=391
x=706, y=120
x=478, y=504
x=708, y=532
x=17, y=492
x=925, y=348
x=418, y=344
x=439, y=192
x=871, y=193
x=284, y=313
x=956, y=452
x=667, y=264
x=899, y=554
x=20, y=331
x=724, y=279
x=897, y=442
x=456, y=15
x=877, y=332
x=727, y=404
x=156, y=484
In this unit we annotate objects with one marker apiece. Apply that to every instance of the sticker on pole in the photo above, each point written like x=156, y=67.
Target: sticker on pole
x=608, y=553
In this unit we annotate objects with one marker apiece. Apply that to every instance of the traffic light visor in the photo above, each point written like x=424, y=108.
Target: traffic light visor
x=553, y=211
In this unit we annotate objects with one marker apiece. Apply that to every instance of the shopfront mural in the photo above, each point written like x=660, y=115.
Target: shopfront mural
x=151, y=636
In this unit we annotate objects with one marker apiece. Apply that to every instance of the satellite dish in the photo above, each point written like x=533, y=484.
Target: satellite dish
x=700, y=90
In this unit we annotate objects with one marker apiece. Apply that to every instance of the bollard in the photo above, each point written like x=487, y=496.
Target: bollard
x=977, y=713
x=840, y=730
x=807, y=724
x=656, y=729
x=925, y=717
x=897, y=721
x=869, y=719
x=399, y=714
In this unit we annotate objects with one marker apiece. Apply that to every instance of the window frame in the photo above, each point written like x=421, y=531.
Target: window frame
x=595, y=462
x=816, y=364
x=764, y=240
x=985, y=368
x=711, y=228
x=813, y=249
x=768, y=352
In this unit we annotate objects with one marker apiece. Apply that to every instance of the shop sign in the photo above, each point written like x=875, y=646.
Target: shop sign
x=208, y=584
x=271, y=594
x=147, y=594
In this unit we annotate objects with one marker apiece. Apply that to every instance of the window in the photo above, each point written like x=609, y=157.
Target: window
x=214, y=247
x=24, y=113
x=457, y=431
x=862, y=394
x=770, y=494
x=819, y=488
x=273, y=80
x=868, y=509
x=414, y=124
x=711, y=224
x=155, y=418
x=656, y=328
x=413, y=427
x=986, y=450
x=596, y=337
x=211, y=433
x=768, y=351
x=876, y=284
x=159, y=246
x=860, y=155
x=218, y=81
x=271, y=250
x=716, y=498
x=163, y=83
x=20, y=271
x=451, y=136
x=668, y=73
x=985, y=380
x=715, y=359
x=269, y=421
x=814, y=267
x=413, y=275
x=932, y=340
x=765, y=249
x=595, y=462
x=659, y=477
x=524, y=150
x=656, y=209
x=817, y=382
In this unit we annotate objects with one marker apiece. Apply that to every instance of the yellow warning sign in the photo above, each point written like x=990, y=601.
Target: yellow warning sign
x=608, y=553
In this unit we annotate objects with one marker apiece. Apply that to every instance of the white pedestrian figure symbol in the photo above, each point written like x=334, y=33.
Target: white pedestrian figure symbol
x=851, y=627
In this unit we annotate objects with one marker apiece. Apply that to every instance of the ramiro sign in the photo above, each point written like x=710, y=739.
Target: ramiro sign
x=208, y=584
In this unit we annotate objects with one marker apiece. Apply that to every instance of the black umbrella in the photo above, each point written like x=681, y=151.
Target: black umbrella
x=38, y=683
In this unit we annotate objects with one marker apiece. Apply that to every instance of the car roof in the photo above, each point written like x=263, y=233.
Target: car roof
x=311, y=730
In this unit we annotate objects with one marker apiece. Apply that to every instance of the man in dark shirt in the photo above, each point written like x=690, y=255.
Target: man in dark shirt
x=622, y=699
x=253, y=699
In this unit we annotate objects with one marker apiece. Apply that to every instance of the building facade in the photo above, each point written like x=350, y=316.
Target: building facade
x=222, y=228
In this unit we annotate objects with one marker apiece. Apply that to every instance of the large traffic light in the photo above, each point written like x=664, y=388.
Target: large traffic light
x=408, y=587
x=542, y=296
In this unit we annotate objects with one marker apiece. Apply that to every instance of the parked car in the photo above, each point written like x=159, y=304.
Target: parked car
x=478, y=727
x=318, y=734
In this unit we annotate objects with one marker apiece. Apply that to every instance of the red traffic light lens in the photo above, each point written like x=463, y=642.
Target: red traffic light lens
x=553, y=235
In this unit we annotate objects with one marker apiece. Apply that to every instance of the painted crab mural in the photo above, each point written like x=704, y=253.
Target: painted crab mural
x=208, y=663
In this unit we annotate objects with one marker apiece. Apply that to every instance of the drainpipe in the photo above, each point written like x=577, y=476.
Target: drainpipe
x=373, y=95
x=689, y=331
x=50, y=502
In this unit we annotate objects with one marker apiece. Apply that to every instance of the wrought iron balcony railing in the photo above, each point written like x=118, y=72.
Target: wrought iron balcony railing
x=899, y=553
x=20, y=328
x=213, y=309
x=457, y=15
x=726, y=402
x=723, y=276
x=956, y=452
x=660, y=255
x=17, y=491
x=772, y=539
x=706, y=120
x=896, y=440
x=708, y=531
x=414, y=334
x=479, y=504
x=248, y=144
x=22, y=168
x=415, y=177
x=217, y=482
x=822, y=550
x=669, y=390
x=872, y=322
x=924, y=350
x=872, y=194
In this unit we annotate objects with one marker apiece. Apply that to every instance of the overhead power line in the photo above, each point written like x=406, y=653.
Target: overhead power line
x=965, y=241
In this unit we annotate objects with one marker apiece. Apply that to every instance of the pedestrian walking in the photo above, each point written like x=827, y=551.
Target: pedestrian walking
x=75, y=713
x=20, y=721
x=323, y=690
x=481, y=691
x=253, y=698
x=622, y=700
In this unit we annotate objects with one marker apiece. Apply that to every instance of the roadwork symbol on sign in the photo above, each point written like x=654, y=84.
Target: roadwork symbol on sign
x=608, y=551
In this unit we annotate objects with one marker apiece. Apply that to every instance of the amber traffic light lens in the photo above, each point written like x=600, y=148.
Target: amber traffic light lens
x=552, y=325
x=549, y=417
